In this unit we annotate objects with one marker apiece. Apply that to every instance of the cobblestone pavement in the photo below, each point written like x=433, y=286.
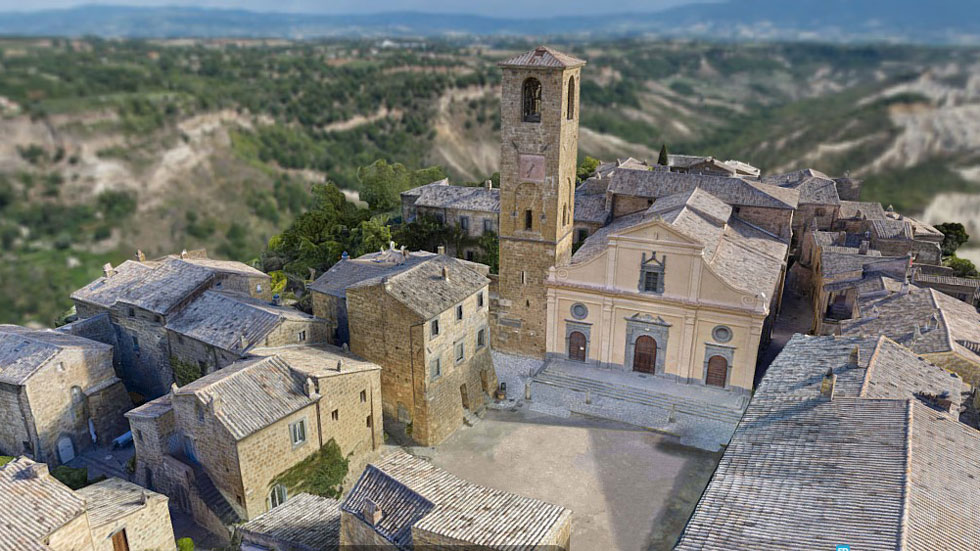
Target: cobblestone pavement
x=629, y=489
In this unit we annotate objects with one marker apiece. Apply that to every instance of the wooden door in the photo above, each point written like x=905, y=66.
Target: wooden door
x=576, y=346
x=717, y=371
x=645, y=355
x=119, y=541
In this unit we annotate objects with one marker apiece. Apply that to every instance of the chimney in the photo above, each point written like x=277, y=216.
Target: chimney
x=183, y=253
x=242, y=342
x=214, y=404
x=372, y=513
x=344, y=256
x=143, y=497
x=445, y=273
x=855, y=357
x=37, y=470
x=489, y=184
x=310, y=388
x=276, y=300
x=863, y=248
x=827, y=386
x=173, y=388
x=404, y=252
x=312, y=274
x=391, y=245
x=441, y=249
x=140, y=256
x=340, y=363
x=107, y=270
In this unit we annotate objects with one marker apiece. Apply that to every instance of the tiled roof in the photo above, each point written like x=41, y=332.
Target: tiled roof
x=891, y=229
x=23, y=351
x=815, y=187
x=424, y=290
x=304, y=523
x=745, y=256
x=157, y=289
x=318, y=360
x=457, y=197
x=862, y=210
x=225, y=266
x=106, y=291
x=221, y=319
x=590, y=208
x=419, y=493
x=542, y=56
x=946, y=280
x=351, y=271
x=734, y=191
x=251, y=394
x=840, y=260
x=31, y=508
x=882, y=471
x=113, y=499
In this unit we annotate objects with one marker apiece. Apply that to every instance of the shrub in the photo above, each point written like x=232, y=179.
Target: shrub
x=184, y=372
x=185, y=544
x=4, y=459
x=71, y=477
x=320, y=474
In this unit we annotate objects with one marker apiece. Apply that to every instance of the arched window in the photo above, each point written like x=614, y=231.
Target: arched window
x=564, y=215
x=532, y=100
x=571, y=98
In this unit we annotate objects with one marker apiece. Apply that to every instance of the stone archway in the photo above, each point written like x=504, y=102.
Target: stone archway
x=576, y=346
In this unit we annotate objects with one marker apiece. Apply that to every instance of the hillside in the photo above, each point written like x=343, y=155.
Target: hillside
x=110, y=146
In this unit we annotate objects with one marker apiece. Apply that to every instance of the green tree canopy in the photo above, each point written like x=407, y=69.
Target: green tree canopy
x=381, y=182
x=587, y=168
x=664, y=159
x=954, y=236
x=962, y=267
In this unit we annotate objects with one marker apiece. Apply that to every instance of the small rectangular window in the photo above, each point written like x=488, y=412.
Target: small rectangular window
x=132, y=312
x=470, y=256
x=583, y=234
x=460, y=352
x=435, y=369
x=139, y=435
x=302, y=336
x=136, y=345
x=297, y=432
x=479, y=299
x=335, y=414
x=481, y=338
x=651, y=282
x=528, y=218
x=434, y=328
x=459, y=312
x=363, y=396
x=369, y=421
x=200, y=413
x=487, y=225
x=464, y=223
x=523, y=278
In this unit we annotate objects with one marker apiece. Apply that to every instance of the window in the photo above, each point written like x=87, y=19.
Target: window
x=434, y=328
x=297, y=432
x=479, y=299
x=470, y=256
x=481, y=338
x=721, y=333
x=238, y=498
x=580, y=311
x=528, y=219
x=532, y=100
x=159, y=318
x=571, y=98
x=180, y=339
x=277, y=496
x=651, y=281
x=363, y=396
x=258, y=288
x=302, y=336
x=523, y=277
x=583, y=234
x=435, y=369
x=487, y=225
x=136, y=345
x=464, y=223
x=132, y=312
x=61, y=367
x=564, y=215
x=459, y=312
x=335, y=415
x=460, y=352
x=139, y=435
x=217, y=285
x=200, y=413
x=440, y=219
x=369, y=421
x=820, y=211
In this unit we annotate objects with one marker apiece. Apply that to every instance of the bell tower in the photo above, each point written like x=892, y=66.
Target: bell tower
x=538, y=152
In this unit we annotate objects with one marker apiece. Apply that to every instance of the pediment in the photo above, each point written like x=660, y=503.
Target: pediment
x=656, y=231
x=642, y=317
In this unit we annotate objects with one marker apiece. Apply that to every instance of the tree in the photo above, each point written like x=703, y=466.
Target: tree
x=664, y=159
x=382, y=183
x=962, y=267
x=954, y=236
x=490, y=251
x=587, y=168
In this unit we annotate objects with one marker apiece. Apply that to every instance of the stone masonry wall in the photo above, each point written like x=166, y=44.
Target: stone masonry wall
x=147, y=529
x=15, y=431
x=356, y=534
x=775, y=221
x=73, y=536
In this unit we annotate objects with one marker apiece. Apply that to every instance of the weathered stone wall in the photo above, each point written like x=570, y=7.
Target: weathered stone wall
x=256, y=286
x=527, y=254
x=351, y=430
x=775, y=221
x=147, y=529
x=145, y=361
x=356, y=534
x=334, y=310
x=627, y=204
x=17, y=428
x=73, y=536
x=99, y=329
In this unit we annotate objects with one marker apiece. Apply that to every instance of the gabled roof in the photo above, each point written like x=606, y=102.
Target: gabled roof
x=23, y=351
x=734, y=191
x=865, y=210
x=157, y=287
x=814, y=186
x=590, y=208
x=350, y=271
x=425, y=291
x=543, y=57
x=444, y=196
x=105, y=291
x=416, y=493
x=33, y=506
x=251, y=394
x=304, y=523
x=222, y=319
x=113, y=499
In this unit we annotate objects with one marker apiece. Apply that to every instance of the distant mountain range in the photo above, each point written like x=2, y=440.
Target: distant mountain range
x=934, y=22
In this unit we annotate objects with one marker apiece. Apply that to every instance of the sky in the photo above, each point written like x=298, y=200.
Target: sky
x=496, y=8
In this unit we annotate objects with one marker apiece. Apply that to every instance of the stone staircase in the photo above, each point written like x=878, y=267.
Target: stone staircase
x=640, y=396
x=216, y=502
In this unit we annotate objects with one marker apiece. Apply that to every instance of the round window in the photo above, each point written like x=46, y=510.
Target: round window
x=721, y=333
x=579, y=311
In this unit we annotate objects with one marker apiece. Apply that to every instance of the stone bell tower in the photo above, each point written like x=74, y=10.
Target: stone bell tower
x=538, y=153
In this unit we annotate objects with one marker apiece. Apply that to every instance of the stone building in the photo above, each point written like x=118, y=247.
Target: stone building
x=898, y=235
x=942, y=279
x=819, y=204
x=219, y=445
x=684, y=290
x=304, y=523
x=39, y=513
x=696, y=164
x=847, y=441
x=940, y=328
x=474, y=210
x=539, y=116
x=404, y=502
x=58, y=394
x=218, y=328
x=140, y=297
x=424, y=319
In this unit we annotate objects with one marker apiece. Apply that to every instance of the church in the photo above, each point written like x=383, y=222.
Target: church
x=670, y=272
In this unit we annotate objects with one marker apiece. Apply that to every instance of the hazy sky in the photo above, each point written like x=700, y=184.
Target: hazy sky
x=498, y=8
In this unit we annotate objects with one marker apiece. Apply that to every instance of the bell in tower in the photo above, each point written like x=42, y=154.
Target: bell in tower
x=538, y=154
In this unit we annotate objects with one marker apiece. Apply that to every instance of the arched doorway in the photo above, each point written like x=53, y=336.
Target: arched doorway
x=645, y=355
x=66, y=449
x=717, y=371
x=576, y=346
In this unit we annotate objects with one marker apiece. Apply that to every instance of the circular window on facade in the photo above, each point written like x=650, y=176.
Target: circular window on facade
x=579, y=311
x=721, y=333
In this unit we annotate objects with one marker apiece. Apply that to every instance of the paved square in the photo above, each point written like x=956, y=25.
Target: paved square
x=629, y=489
